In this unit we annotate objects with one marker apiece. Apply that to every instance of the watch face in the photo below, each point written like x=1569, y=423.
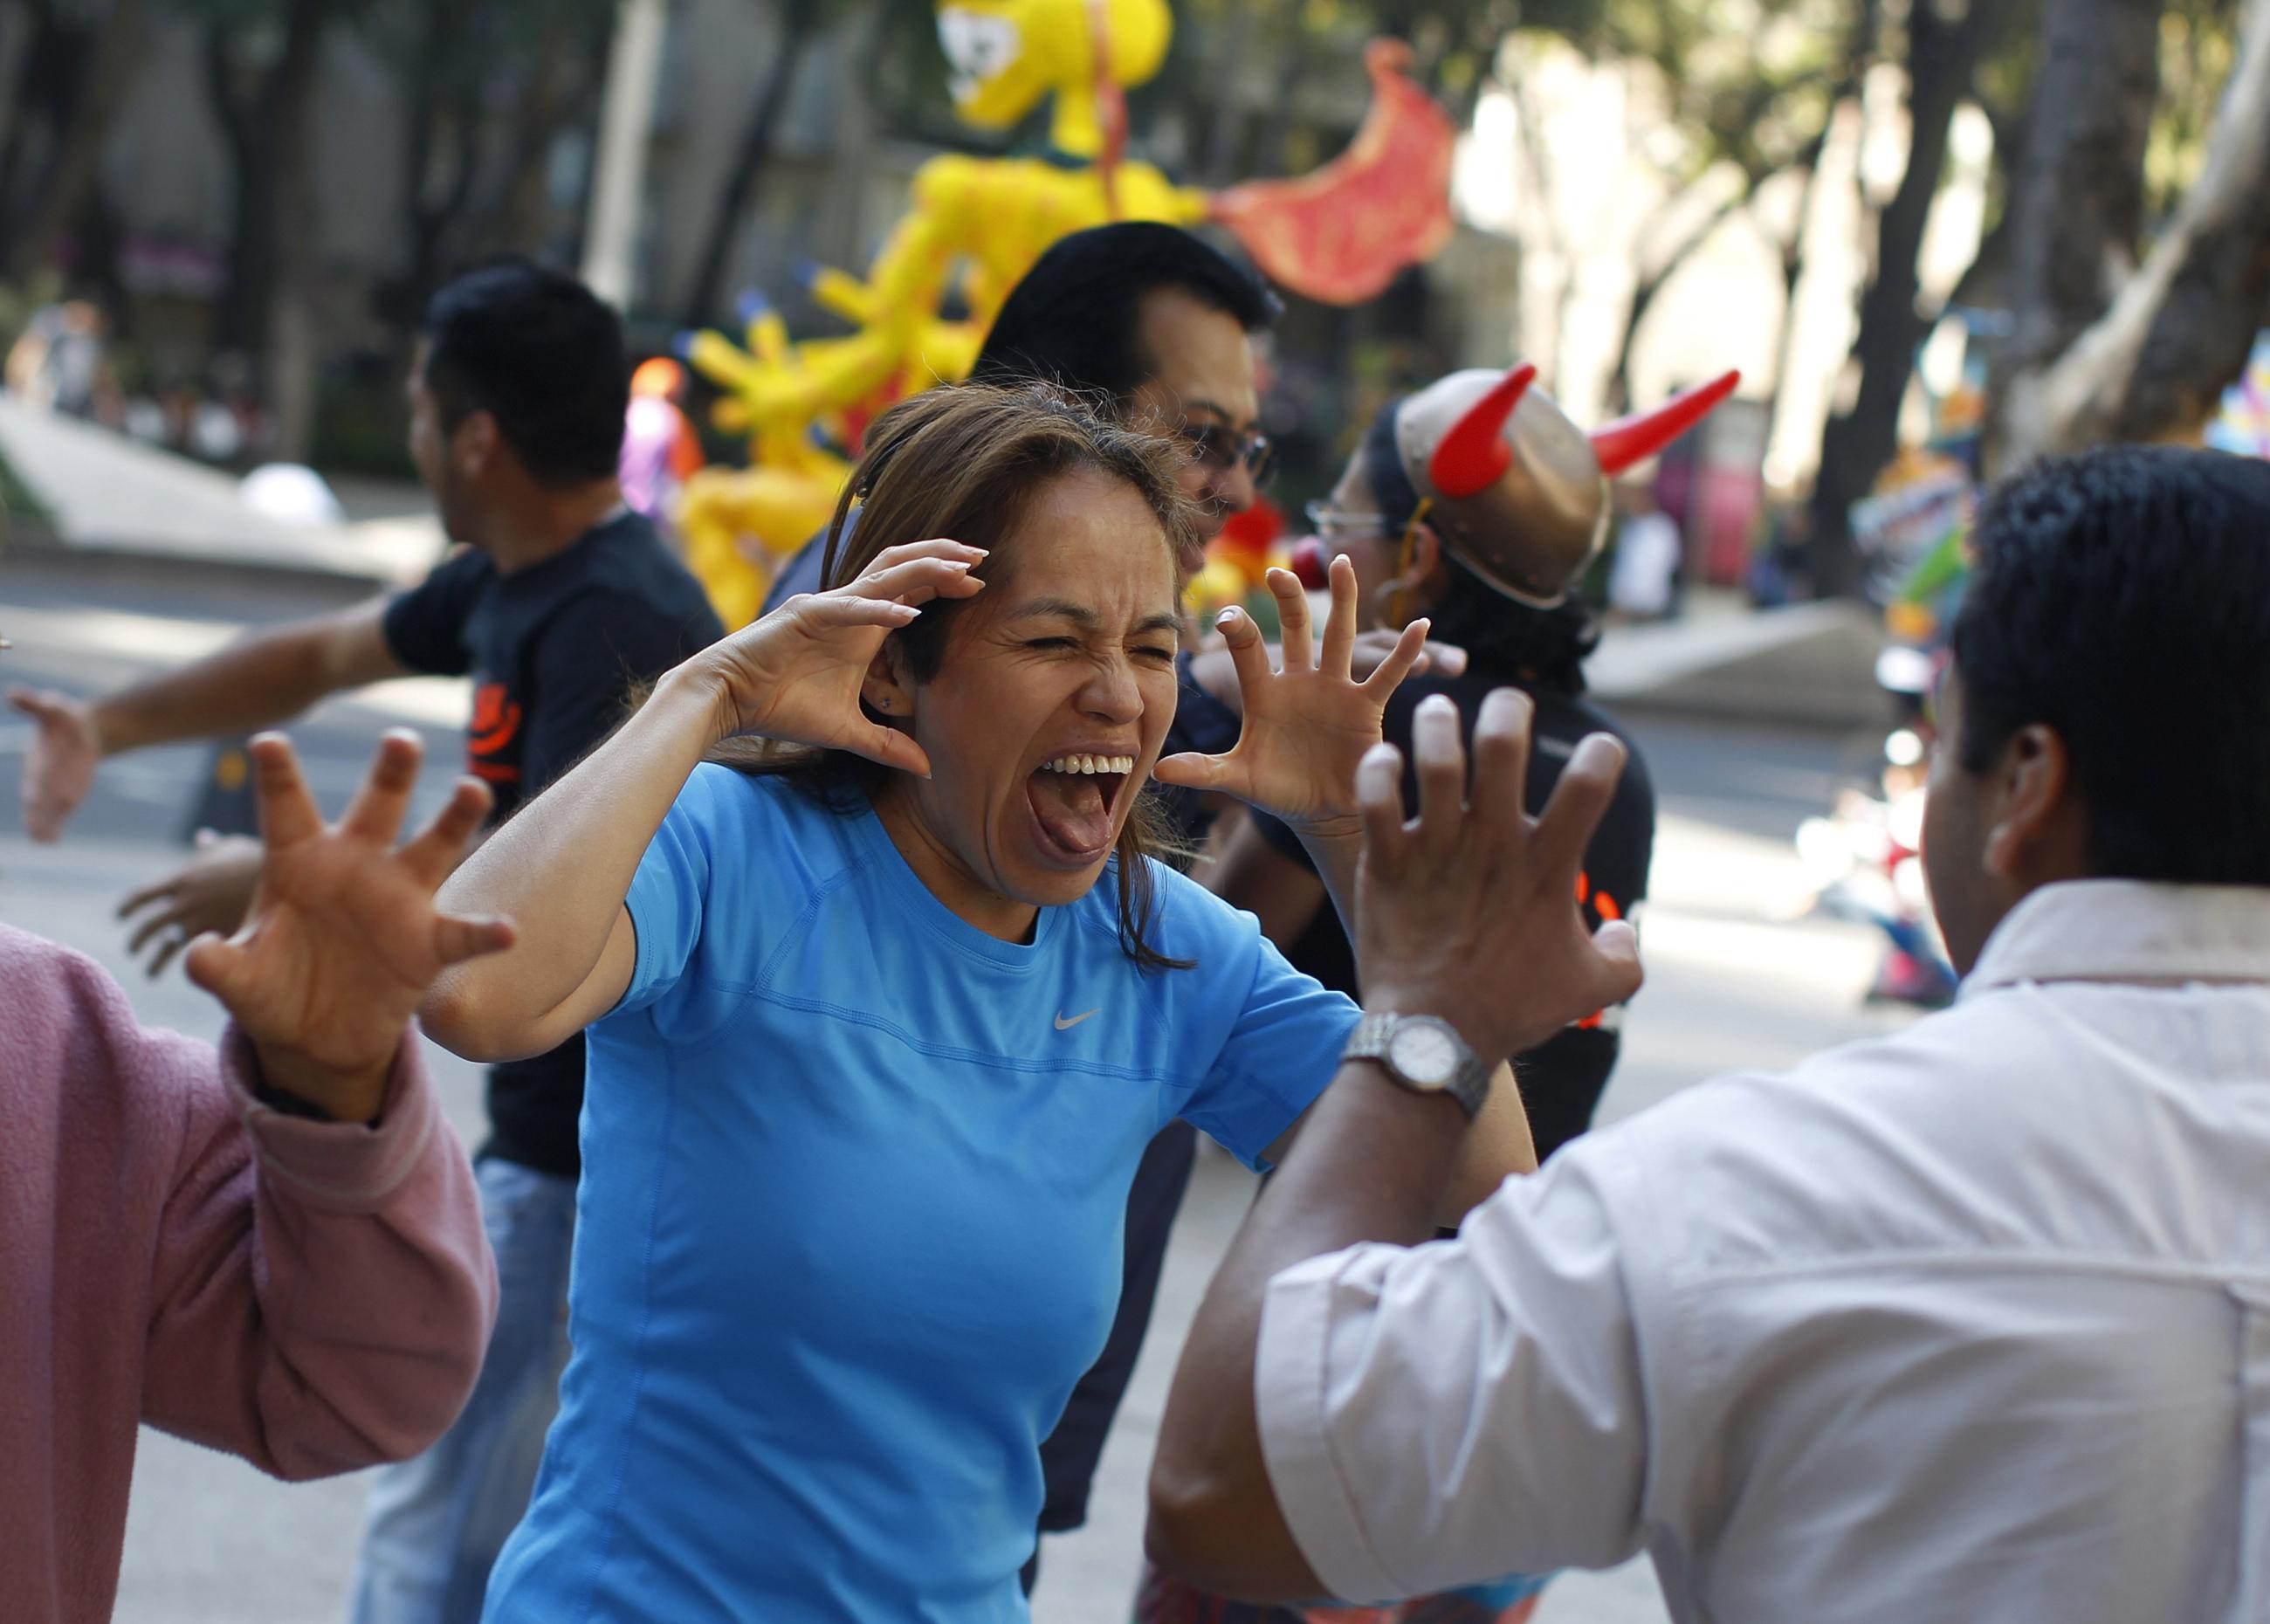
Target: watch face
x=1425, y=1055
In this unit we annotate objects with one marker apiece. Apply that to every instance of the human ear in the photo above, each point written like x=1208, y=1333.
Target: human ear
x=1429, y=574
x=2034, y=784
x=1419, y=583
x=885, y=688
x=474, y=443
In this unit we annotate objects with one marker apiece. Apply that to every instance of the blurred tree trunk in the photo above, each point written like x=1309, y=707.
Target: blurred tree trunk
x=1794, y=261
x=43, y=61
x=1651, y=281
x=266, y=311
x=1227, y=125
x=838, y=233
x=2155, y=358
x=440, y=118
x=560, y=90
x=89, y=106
x=2077, y=199
x=1942, y=56
x=797, y=19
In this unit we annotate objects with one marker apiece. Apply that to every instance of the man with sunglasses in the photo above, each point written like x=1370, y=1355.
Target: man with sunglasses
x=1155, y=320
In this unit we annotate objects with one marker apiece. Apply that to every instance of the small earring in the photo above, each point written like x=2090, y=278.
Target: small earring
x=883, y=703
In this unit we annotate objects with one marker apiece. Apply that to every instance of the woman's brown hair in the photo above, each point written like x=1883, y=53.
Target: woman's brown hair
x=965, y=462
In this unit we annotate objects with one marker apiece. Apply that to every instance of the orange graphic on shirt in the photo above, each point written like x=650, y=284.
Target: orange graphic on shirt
x=1605, y=910
x=495, y=724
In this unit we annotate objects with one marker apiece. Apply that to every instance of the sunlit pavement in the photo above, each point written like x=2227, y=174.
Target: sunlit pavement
x=1733, y=982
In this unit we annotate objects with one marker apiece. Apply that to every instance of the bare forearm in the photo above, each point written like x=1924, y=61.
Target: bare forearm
x=268, y=678
x=1336, y=853
x=1244, y=871
x=561, y=870
x=1371, y=1165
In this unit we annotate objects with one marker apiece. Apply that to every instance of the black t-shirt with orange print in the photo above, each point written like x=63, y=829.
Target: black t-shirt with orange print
x=1562, y=1080
x=554, y=652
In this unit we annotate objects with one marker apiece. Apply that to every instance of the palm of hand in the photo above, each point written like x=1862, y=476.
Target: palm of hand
x=59, y=769
x=1308, y=725
x=797, y=674
x=796, y=681
x=338, y=948
x=1304, y=733
x=343, y=938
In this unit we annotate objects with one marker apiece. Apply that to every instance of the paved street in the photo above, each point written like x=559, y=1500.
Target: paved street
x=1734, y=982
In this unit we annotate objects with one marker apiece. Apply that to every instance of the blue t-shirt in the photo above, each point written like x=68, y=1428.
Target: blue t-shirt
x=848, y=1231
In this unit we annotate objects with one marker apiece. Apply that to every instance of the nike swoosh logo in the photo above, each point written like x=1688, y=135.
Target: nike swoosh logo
x=1065, y=1026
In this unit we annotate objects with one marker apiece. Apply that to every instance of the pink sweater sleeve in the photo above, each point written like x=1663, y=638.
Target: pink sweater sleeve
x=323, y=1292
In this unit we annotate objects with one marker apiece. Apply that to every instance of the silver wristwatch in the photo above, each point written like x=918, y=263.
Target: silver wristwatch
x=1424, y=1053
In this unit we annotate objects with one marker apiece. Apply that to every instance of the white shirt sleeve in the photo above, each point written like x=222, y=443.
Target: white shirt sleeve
x=1459, y=1412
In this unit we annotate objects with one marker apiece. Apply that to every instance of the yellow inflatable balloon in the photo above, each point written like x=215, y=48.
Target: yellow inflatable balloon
x=975, y=226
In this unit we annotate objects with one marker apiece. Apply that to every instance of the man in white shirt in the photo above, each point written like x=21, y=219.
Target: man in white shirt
x=1970, y=1323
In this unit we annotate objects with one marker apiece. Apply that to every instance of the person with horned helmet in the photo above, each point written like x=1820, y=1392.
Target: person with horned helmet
x=1477, y=504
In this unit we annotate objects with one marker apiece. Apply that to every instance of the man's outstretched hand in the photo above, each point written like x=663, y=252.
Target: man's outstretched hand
x=59, y=769
x=1469, y=911
x=343, y=938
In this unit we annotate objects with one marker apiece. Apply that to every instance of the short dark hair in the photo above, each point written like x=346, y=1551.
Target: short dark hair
x=1072, y=320
x=2122, y=598
x=541, y=354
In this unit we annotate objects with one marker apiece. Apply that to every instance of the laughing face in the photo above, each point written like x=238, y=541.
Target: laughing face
x=1048, y=712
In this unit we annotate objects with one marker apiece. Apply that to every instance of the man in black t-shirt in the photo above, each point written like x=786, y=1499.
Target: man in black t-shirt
x=560, y=602
x=553, y=650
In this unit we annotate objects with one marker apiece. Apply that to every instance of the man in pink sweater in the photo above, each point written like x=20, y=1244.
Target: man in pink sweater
x=273, y=1248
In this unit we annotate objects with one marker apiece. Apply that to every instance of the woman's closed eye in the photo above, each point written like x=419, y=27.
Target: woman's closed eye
x=1152, y=651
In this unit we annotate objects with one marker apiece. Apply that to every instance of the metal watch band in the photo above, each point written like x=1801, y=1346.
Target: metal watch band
x=1374, y=1040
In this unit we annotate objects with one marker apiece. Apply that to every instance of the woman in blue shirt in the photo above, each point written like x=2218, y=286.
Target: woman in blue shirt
x=885, y=996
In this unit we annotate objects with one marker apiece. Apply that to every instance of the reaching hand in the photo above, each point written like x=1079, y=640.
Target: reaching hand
x=211, y=892
x=60, y=768
x=795, y=674
x=1309, y=724
x=1215, y=673
x=1469, y=911
x=343, y=938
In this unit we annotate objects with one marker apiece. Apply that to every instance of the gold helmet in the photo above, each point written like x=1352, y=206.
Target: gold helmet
x=1518, y=493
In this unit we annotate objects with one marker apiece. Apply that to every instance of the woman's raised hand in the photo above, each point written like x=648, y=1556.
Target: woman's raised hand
x=1307, y=726
x=795, y=674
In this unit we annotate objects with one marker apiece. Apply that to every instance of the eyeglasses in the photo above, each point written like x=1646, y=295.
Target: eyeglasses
x=1219, y=446
x=1329, y=523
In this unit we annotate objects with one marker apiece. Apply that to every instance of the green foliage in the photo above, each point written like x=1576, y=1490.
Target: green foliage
x=2198, y=45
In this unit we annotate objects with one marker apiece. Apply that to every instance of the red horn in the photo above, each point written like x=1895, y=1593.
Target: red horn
x=1474, y=454
x=1641, y=435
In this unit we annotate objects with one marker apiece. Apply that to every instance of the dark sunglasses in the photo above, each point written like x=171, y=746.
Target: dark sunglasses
x=1219, y=446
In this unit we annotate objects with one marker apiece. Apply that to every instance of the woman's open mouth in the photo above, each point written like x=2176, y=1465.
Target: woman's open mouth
x=1073, y=798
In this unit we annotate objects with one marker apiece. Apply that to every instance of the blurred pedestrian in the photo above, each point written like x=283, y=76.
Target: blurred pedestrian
x=561, y=601
x=1643, y=570
x=60, y=362
x=1968, y=1322
x=661, y=450
x=273, y=1248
